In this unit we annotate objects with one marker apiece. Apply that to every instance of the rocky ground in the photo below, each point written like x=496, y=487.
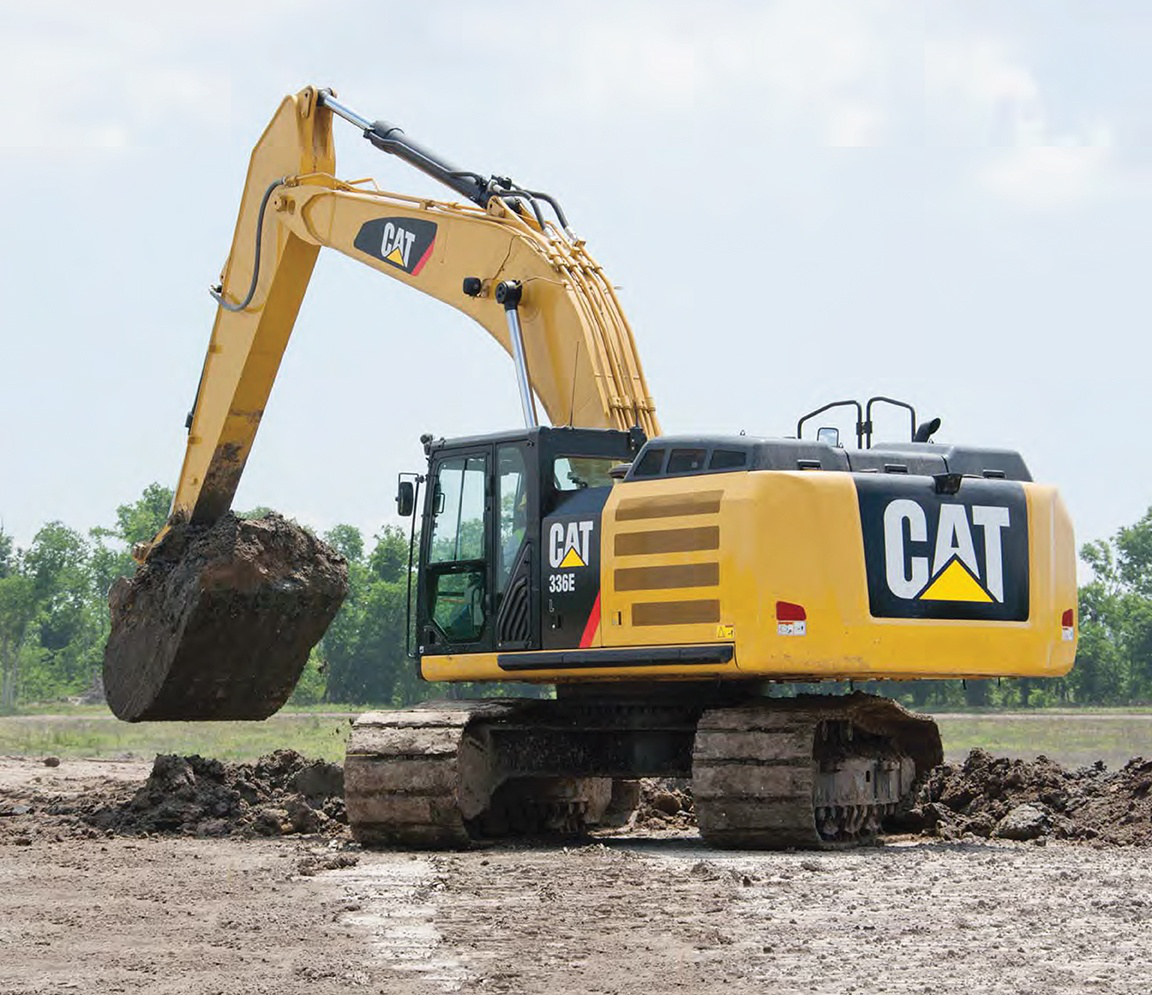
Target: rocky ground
x=192, y=876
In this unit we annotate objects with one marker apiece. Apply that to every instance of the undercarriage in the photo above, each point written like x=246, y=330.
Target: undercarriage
x=812, y=771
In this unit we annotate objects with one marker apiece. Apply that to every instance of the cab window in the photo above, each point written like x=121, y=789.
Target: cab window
x=457, y=574
x=512, y=496
x=458, y=523
x=728, y=459
x=573, y=473
x=650, y=464
x=686, y=460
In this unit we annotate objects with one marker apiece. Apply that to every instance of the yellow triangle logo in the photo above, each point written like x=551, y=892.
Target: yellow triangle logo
x=395, y=257
x=956, y=583
x=572, y=559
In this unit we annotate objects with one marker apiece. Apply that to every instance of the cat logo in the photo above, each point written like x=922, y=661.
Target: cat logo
x=568, y=544
x=935, y=556
x=405, y=243
x=954, y=571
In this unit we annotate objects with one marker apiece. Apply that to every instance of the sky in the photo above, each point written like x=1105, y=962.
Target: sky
x=948, y=201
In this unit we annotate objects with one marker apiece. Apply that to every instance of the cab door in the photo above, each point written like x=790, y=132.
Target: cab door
x=517, y=526
x=456, y=593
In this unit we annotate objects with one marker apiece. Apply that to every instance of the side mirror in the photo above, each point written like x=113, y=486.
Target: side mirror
x=405, y=498
x=829, y=436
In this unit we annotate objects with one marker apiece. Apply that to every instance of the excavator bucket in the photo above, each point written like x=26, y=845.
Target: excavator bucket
x=219, y=620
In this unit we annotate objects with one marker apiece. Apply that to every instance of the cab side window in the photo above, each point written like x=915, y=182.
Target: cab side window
x=512, y=498
x=457, y=550
x=686, y=461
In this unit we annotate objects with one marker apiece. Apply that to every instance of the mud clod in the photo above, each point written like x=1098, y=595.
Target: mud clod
x=310, y=866
x=1024, y=822
x=219, y=621
x=665, y=803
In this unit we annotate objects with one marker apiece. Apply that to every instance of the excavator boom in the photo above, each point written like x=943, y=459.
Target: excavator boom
x=578, y=354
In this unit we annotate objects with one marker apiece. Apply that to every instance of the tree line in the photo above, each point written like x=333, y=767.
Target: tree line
x=54, y=622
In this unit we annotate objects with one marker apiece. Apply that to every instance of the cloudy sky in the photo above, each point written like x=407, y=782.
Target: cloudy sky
x=945, y=200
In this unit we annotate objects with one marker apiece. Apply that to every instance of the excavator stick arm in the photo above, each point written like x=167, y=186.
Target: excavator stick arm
x=247, y=344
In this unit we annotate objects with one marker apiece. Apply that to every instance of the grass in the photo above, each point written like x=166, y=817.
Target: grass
x=91, y=731
x=1072, y=738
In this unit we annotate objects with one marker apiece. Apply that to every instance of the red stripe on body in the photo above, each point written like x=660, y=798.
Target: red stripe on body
x=593, y=625
x=423, y=259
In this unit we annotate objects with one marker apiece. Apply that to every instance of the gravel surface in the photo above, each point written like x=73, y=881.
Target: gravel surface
x=650, y=911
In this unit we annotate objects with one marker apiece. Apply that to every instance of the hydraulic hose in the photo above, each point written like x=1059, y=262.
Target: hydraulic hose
x=218, y=292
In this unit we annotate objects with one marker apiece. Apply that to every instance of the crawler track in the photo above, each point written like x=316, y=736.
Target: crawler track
x=417, y=777
x=767, y=773
x=815, y=772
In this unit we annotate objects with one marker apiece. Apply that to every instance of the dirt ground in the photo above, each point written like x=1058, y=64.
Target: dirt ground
x=650, y=912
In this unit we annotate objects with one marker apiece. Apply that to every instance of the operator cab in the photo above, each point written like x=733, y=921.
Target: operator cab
x=497, y=510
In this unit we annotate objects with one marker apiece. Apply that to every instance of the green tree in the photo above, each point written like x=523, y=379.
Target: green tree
x=1114, y=657
x=364, y=648
x=1101, y=670
x=68, y=624
x=347, y=541
x=111, y=553
x=258, y=512
x=7, y=549
x=144, y=517
x=17, y=609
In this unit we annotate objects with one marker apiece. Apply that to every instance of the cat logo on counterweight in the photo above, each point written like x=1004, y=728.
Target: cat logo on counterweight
x=962, y=556
x=952, y=571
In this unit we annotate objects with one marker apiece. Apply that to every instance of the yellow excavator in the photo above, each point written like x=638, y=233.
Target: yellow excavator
x=666, y=586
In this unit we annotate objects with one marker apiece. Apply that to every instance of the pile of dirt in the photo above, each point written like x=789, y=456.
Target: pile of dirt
x=997, y=797
x=665, y=803
x=988, y=797
x=219, y=621
x=280, y=794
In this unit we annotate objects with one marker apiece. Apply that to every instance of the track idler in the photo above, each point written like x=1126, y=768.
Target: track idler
x=219, y=620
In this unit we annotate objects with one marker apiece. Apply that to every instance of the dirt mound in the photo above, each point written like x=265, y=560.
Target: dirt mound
x=665, y=803
x=986, y=796
x=1004, y=798
x=279, y=794
x=219, y=621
